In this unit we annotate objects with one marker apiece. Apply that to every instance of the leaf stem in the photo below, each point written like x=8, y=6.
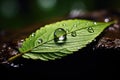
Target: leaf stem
x=14, y=57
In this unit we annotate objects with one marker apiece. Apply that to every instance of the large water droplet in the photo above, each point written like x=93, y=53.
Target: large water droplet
x=60, y=36
x=40, y=40
x=74, y=34
x=90, y=30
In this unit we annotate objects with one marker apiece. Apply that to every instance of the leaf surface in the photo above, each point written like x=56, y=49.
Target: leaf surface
x=76, y=35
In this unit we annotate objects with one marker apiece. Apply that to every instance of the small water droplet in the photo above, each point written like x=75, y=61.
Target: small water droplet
x=73, y=34
x=90, y=30
x=64, y=24
x=95, y=23
x=60, y=36
x=67, y=30
x=78, y=47
x=40, y=40
x=74, y=25
x=33, y=34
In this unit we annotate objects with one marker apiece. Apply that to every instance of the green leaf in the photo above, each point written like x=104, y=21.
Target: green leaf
x=59, y=39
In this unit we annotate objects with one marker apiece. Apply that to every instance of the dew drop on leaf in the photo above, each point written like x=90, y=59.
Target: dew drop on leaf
x=90, y=29
x=67, y=30
x=64, y=24
x=60, y=36
x=95, y=23
x=74, y=25
x=73, y=34
x=40, y=40
x=33, y=34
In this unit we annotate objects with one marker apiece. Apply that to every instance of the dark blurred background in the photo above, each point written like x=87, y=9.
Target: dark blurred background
x=20, y=13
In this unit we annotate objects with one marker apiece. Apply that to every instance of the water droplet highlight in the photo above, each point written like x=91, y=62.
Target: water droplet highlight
x=73, y=34
x=60, y=36
x=90, y=30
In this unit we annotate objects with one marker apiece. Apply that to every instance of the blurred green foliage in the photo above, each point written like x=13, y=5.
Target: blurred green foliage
x=19, y=13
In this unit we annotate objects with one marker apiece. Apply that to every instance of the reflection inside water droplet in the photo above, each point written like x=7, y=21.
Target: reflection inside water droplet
x=73, y=34
x=60, y=36
x=90, y=30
